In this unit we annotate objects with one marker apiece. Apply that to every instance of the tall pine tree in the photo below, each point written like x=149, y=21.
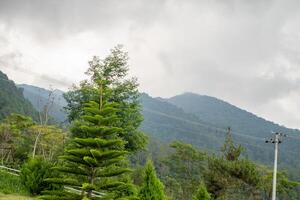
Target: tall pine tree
x=94, y=158
x=152, y=188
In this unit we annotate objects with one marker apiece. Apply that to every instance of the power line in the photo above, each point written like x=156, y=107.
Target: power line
x=204, y=125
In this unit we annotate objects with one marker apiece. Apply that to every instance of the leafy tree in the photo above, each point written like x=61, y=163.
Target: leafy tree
x=232, y=177
x=152, y=188
x=112, y=72
x=13, y=143
x=285, y=187
x=202, y=193
x=185, y=165
x=94, y=158
x=51, y=141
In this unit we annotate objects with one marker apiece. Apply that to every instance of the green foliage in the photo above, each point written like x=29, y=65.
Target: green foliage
x=185, y=166
x=285, y=187
x=10, y=184
x=13, y=139
x=152, y=188
x=226, y=178
x=12, y=99
x=112, y=73
x=202, y=193
x=34, y=173
x=18, y=135
x=231, y=152
x=94, y=159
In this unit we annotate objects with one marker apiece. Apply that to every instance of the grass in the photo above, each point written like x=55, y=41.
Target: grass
x=14, y=197
x=10, y=184
x=11, y=188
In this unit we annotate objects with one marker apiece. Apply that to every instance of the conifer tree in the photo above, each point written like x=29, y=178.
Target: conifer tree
x=94, y=158
x=152, y=188
x=202, y=193
x=113, y=70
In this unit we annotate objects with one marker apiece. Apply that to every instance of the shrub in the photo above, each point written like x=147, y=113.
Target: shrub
x=33, y=175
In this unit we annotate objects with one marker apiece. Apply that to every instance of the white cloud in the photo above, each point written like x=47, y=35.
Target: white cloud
x=246, y=52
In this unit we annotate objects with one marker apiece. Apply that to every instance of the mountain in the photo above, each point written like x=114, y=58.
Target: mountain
x=39, y=97
x=12, y=99
x=201, y=121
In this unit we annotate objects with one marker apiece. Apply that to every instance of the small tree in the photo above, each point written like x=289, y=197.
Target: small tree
x=231, y=152
x=202, y=193
x=152, y=188
x=34, y=173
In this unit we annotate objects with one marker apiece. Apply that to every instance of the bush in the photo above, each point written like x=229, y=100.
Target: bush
x=33, y=175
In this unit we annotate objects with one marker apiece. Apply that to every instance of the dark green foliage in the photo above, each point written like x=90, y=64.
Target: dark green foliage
x=34, y=173
x=185, y=167
x=14, y=143
x=226, y=178
x=112, y=72
x=202, y=193
x=12, y=99
x=285, y=187
x=152, y=188
x=230, y=151
x=94, y=159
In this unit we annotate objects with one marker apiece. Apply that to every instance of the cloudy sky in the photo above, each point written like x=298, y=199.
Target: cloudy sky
x=245, y=52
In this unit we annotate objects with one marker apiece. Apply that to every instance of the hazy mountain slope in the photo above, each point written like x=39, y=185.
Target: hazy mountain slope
x=223, y=114
x=12, y=99
x=168, y=122
x=205, y=127
x=39, y=98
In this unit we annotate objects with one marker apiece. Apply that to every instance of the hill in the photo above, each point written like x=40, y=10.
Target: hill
x=12, y=99
x=39, y=97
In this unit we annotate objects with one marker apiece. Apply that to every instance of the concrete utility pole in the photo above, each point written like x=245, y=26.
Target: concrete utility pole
x=277, y=139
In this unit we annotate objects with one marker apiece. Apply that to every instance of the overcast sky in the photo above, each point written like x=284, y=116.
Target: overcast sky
x=244, y=52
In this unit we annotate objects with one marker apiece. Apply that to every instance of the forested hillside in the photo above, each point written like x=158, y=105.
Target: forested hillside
x=12, y=99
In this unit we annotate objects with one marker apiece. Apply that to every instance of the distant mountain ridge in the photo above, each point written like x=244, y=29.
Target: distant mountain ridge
x=39, y=97
x=202, y=121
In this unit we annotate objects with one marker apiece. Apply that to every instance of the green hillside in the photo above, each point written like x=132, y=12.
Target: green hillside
x=12, y=99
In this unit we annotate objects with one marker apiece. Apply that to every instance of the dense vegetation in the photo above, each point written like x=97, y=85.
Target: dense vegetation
x=103, y=154
x=12, y=99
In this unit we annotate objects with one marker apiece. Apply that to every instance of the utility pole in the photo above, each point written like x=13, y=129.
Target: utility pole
x=276, y=140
